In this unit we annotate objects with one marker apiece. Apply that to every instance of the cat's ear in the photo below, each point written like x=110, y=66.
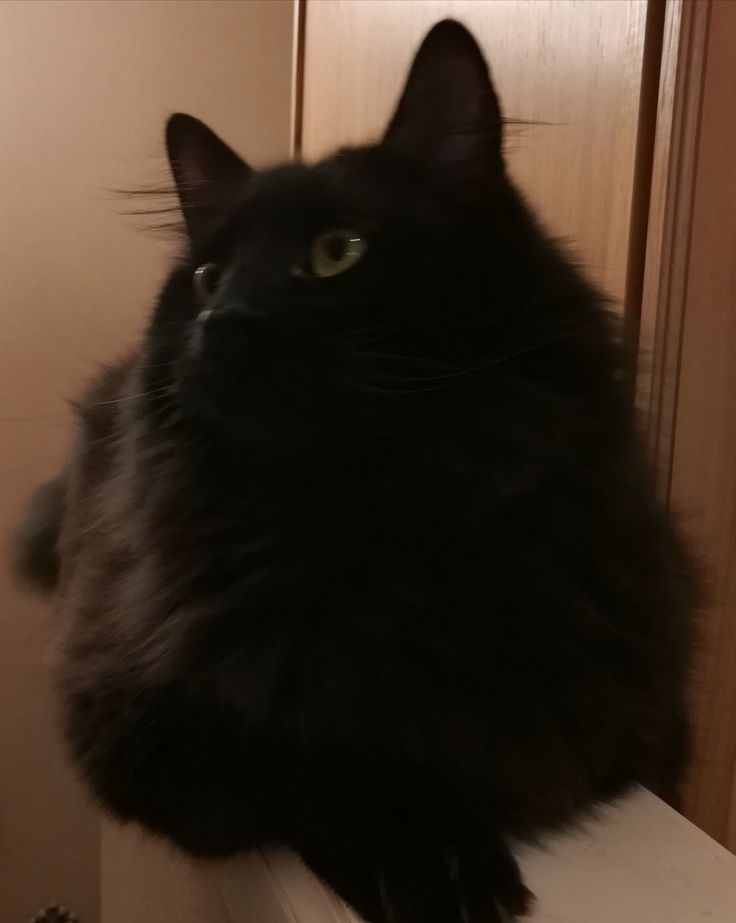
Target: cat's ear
x=448, y=113
x=205, y=169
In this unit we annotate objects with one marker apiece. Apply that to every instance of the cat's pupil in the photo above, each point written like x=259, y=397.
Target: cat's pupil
x=336, y=246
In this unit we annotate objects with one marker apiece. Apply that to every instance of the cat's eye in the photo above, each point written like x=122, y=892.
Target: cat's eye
x=336, y=251
x=205, y=281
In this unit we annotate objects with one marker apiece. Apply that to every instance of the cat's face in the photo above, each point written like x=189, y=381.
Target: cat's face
x=319, y=299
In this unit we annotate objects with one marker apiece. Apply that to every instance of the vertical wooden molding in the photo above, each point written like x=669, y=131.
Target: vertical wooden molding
x=703, y=479
x=674, y=167
x=642, y=183
x=297, y=77
x=687, y=378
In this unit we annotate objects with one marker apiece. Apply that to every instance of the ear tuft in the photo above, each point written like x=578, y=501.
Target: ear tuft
x=205, y=169
x=448, y=113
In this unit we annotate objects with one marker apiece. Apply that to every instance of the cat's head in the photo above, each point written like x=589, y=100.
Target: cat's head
x=315, y=301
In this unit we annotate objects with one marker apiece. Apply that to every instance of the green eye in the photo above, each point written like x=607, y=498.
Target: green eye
x=336, y=251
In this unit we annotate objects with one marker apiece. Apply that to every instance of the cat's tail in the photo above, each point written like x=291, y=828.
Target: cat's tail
x=35, y=544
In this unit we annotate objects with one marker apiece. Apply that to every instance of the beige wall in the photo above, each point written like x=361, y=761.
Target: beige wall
x=85, y=89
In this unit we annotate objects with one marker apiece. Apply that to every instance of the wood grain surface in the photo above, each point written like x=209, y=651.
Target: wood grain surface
x=703, y=482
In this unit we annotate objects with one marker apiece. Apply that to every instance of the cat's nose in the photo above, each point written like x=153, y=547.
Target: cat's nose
x=231, y=312
x=223, y=322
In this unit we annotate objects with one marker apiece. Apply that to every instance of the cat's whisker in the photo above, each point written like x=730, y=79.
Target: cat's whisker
x=158, y=365
x=183, y=324
x=380, y=336
x=375, y=388
x=397, y=357
x=361, y=330
x=454, y=373
x=390, y=326
x=153, y=392
x=39, y=418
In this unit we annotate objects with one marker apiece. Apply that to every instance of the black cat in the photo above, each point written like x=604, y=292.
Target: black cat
x=358, y=552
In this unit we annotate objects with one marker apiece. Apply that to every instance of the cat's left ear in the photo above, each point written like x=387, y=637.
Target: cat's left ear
x=448, y=114
x=205, y=169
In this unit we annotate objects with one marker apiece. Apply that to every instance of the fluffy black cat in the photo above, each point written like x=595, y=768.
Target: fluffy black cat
x=358, y=552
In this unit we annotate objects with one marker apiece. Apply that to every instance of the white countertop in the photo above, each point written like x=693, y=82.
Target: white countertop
x=638, y=862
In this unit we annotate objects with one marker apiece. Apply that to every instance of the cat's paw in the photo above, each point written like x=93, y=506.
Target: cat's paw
x=490, y=888
x=522, y=906
x=413, y=880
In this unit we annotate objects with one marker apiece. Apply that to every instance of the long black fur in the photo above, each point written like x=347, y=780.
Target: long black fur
x=371, y=566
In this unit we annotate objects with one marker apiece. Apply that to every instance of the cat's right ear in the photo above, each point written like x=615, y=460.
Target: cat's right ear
x=205, y=169
x=448, y=115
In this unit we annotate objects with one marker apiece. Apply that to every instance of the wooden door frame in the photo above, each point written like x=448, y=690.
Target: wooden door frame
x=671, y=199
x=696, y=314
x=297, y=76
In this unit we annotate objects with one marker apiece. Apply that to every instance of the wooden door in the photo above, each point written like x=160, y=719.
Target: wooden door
x=689, y=316
x=575, y=66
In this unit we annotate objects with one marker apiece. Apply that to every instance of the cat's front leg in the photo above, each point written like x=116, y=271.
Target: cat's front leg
x=397, y=867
